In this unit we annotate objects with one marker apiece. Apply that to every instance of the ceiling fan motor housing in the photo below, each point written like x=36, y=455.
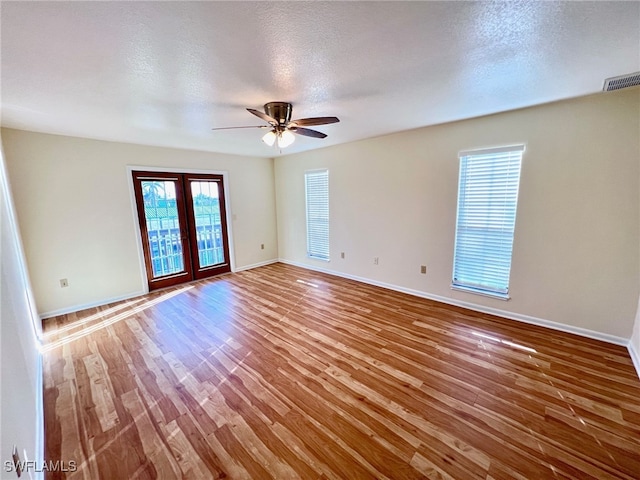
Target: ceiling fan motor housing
x=280, y=111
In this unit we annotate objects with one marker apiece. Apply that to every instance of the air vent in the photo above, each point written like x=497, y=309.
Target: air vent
x=623, y=81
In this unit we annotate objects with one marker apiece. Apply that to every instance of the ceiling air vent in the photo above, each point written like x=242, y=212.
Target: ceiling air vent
x=623, y=81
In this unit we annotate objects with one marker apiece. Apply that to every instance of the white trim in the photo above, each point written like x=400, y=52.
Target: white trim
x=307, y=175
x=84, y=306
x=144, y=284
x=34, y=318
x=256, y=265
x=100, y=303
x=319, y=259
x=484, y=293
x=635, y=357
x=146, y=168
x=489, y=151
x=228, y=210
x=583, y=332
x=16, y=237
x=317, y=170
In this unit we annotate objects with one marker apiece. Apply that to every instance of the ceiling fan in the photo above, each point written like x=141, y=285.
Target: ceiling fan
x=281, y=127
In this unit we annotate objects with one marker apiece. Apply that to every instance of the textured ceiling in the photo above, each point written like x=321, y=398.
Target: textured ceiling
x=165, y=73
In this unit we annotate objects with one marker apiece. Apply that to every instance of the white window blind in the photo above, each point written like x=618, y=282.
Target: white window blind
x=317, y=194
x=487, y=201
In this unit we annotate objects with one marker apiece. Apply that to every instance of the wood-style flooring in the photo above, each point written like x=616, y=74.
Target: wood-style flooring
x=281, y=372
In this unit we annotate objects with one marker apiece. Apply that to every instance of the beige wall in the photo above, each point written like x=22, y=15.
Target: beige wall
x=77, y=221
x=575, y=259
x=394, y=197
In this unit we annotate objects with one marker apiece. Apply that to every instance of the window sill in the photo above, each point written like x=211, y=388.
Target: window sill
x=500, y=296
x=311, y=257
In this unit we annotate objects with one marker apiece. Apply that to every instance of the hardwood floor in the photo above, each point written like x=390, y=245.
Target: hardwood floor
x=280, y=372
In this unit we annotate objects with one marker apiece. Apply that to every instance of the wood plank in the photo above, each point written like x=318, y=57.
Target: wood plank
x=102, y=392
x=155, y=447
x=280, y=372
x=191, y=464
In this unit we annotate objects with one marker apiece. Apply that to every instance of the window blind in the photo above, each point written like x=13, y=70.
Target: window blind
x=486, y=217
x=317, y=195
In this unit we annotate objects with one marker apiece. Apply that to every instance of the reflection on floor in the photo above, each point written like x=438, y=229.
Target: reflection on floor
x=280, y=372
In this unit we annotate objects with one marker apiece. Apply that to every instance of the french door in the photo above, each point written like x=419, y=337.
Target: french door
x=183, y=226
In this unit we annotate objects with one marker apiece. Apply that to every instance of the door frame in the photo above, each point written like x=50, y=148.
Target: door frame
x=136, y=224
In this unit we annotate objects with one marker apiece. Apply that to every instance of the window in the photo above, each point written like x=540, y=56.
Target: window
x=487, y=201
x=183, y=226
x=317, y=193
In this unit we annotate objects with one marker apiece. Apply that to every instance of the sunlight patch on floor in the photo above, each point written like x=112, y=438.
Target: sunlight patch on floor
x=504, y=342
x=46, y=347
x=90, y=318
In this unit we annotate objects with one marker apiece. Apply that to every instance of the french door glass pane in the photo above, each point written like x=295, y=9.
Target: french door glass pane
x=163, y=227
x=206, y=209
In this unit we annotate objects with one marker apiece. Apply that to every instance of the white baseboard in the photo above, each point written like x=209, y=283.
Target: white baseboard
x=77, y=308
x=472, y=306
x=450, y=301
x=256, y=265
x=635, y=357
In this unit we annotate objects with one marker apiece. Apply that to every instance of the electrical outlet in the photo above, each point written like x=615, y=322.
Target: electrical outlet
x=64, y=283
x=341, y=254
x=262, y=246
x=375, y=260
x=423, y=269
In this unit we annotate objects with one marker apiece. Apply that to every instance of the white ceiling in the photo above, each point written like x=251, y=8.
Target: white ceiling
x=165, y=73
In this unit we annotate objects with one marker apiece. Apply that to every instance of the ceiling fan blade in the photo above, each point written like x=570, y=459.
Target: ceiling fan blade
x=250, y=126
x=303, y=122
x=263, y=116
x=307, y=132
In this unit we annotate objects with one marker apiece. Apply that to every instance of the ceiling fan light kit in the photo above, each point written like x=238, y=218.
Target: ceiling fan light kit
x=278, y=116
x=283, y=138
x=269, y=138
